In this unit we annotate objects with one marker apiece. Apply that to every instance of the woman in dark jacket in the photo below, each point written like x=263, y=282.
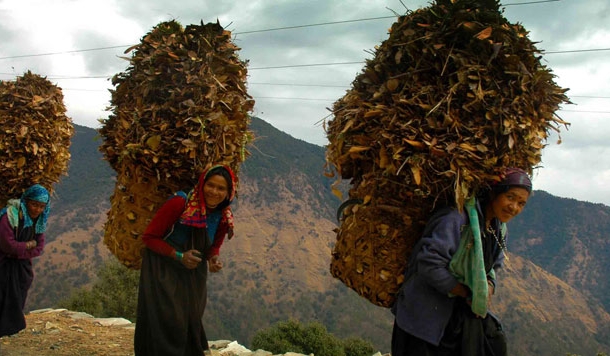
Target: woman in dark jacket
x=442, y=307
x=182, y=240
x=23, y=223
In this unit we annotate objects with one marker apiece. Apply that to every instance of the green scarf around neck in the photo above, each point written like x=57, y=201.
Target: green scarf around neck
x=468, y=264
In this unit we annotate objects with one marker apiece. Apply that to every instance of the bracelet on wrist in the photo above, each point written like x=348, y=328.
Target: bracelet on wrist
x=179, y=255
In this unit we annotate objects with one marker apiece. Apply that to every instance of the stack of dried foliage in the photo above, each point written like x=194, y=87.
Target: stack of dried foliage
x=181, y=106
x=35, y=135
x=455, y=93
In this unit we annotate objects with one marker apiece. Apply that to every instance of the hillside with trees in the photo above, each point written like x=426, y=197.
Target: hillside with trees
x=551, y=298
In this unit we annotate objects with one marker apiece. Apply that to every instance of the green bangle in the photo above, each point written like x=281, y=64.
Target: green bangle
x=179, y=255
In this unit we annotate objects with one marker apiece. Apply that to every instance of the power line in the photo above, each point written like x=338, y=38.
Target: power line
x=65, y=52
x=236, y=33
x=306, y=65
x=301, y=85
x=286, y=98
x=113, y=47
x=247, y=32
x=578, y=50
x=315, y=24
x=530, y=2
x=289, y=85
x=587, y=111
x=589, y=96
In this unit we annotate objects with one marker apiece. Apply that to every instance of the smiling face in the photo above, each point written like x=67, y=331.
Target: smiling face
x=507, y=205
x=215, y=190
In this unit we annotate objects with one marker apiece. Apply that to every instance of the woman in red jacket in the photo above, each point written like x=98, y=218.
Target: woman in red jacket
x=182, y=240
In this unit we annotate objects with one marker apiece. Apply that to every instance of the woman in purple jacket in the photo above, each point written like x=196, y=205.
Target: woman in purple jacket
x=442, y=307
x=22, y=226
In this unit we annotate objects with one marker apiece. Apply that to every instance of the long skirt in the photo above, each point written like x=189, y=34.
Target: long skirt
x=16, y=276
x=171, y=302
x=465, y=335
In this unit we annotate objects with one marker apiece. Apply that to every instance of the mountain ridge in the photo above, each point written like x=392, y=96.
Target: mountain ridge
x=277, y=266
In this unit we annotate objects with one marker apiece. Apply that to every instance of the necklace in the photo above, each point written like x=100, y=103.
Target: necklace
x=501, y=241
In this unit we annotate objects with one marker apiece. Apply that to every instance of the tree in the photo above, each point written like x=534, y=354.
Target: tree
x=114, y=294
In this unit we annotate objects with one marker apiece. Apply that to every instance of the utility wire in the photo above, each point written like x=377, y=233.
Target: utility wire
x=529, y=2
x=587, y=111
x=236, y=33
x=578, y=51
x=287, y=66
x=286, y=98
x=313, y=25
x=306, y=65
x=315, y=85
x=65, y=52
x=301, y=85
x=249, y=32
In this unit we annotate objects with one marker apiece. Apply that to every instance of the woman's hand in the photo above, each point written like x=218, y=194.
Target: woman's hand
x=461, y=290
x=191, y=259
x=215, y=264
x=30, y=244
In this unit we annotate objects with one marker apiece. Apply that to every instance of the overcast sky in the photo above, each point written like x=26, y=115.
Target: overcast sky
x=64, y=40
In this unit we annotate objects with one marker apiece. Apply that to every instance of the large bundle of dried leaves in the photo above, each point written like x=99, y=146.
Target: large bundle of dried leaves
x=453, y=95
x=181, y=106
x=35, y=135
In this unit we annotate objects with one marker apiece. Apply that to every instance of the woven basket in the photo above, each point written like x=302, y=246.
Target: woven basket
x=374, y=242
x=133, y=204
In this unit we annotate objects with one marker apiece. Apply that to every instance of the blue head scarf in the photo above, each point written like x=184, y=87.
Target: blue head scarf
x=37, y=193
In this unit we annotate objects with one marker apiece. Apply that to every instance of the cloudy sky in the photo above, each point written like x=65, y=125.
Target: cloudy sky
x=304, y=55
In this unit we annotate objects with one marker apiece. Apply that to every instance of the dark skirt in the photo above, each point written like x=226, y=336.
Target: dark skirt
x=171, y=303
x=465, y=335
x=16, y=276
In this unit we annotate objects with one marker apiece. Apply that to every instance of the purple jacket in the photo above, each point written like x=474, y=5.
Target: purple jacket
x=423, y=306
x=11, y=248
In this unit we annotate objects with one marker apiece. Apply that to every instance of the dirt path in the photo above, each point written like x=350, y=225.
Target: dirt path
x=61, y=332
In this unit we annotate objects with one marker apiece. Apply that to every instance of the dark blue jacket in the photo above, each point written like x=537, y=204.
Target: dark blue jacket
x=423, y=305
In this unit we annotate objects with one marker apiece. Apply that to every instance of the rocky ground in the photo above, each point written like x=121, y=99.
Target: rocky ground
x=62, y=332
x=67, y=333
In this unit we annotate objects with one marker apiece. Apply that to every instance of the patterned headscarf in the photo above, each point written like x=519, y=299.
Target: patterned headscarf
x=515, y=177
x=195, y=211
x=37, y=193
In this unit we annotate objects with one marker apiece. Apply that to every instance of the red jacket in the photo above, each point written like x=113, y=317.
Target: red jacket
x=167, y=215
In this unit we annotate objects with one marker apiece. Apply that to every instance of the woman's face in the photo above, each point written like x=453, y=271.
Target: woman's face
x=35, y=208
x=215, y=190
x=507, y=205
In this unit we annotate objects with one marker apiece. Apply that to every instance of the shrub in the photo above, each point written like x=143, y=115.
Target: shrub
x=357, y=347
x=291, y=336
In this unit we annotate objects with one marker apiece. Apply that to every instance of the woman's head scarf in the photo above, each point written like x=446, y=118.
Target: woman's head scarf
x=36, y=193
x=195, y=211
x=512, y=177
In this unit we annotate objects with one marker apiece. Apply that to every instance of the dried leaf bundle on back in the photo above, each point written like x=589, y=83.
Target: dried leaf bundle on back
x=455, y=93
x=36, y=134
x=180, y=106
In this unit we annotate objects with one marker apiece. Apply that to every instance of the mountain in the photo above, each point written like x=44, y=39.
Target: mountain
x=568, y=238
x=552, y=297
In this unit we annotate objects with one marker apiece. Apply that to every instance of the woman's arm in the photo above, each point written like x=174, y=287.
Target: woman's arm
x=37, y=249
x=439, y=244
x=167, y=215
x=8, y=244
